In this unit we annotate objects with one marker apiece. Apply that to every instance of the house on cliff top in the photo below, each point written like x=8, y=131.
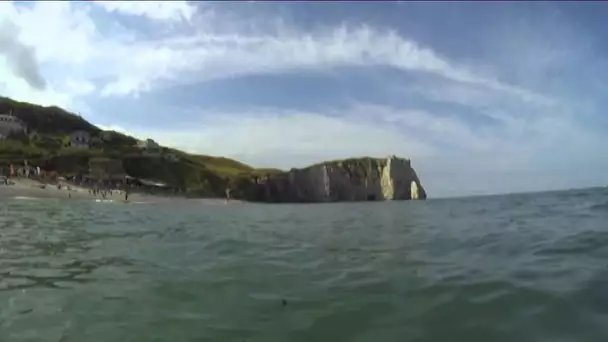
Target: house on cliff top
x=80, y=139
x=11, y=124
x=149, y=147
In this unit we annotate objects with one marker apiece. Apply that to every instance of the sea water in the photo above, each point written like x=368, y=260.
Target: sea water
x=530, y=267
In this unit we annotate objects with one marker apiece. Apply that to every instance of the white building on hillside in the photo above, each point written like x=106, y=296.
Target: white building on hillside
x=10, y=124
x=149, y=144
x=80, y=139
x=149, y=147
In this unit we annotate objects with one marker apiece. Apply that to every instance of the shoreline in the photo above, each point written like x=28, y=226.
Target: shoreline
x=26, y=188
x=30, y=188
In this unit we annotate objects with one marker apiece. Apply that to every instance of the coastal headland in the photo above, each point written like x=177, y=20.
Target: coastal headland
x=50, y=145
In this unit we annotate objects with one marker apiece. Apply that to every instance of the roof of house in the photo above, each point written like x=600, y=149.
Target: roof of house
x=12, y=118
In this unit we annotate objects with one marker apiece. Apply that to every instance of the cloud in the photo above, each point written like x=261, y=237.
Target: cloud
x=20, y=57
x=205, y=56
x=131, y=66
x=36, y=30
x=155, y=10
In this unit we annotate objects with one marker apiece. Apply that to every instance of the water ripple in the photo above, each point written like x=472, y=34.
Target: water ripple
x=503, y=268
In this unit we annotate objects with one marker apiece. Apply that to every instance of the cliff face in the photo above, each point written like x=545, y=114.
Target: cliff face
x=358, y=179
x=361, y=179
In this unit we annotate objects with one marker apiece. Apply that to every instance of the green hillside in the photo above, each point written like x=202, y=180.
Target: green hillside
x=47, y=145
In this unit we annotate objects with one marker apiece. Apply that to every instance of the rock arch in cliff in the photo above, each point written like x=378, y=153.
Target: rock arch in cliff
x=414, y=190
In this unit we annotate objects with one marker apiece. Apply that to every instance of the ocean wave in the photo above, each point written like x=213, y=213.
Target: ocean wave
x=27, y=198
x=498, y=269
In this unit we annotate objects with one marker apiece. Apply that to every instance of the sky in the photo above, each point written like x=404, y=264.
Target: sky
x=483, y=97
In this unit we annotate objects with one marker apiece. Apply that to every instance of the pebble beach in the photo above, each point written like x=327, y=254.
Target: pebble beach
x=28, y=188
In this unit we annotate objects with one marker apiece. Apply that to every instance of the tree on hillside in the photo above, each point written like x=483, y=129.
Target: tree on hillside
x=47, y=142
x=20, y=136
x=115, y=139
x=46, y=119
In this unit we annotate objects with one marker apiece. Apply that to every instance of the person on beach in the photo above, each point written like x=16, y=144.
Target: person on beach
x=228, y=194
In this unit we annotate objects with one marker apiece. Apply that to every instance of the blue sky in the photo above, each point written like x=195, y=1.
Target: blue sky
x=483, y=97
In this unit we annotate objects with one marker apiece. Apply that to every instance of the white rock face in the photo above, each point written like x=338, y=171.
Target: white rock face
x=414, y=190
x=364, y=179
x=398, y=176
x=386, y=181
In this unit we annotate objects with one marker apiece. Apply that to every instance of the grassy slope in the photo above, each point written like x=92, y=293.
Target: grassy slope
x=46, y=119
x=199, y=174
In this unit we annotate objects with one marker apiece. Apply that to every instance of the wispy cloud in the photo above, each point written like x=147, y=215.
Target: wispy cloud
x=19, y=57
x=155, y=10
x=130, y=66
x=206, y=56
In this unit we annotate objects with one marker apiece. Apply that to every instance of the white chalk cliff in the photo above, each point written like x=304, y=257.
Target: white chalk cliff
x=357, y=179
